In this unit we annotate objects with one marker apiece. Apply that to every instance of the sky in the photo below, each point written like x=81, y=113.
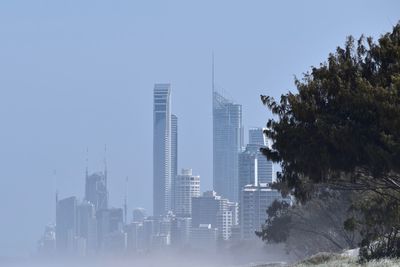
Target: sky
x=78, y=75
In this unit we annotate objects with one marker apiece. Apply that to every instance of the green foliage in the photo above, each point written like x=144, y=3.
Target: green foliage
x=379, y=226
x=276, y=227
x=341, y=129
x=345, y=118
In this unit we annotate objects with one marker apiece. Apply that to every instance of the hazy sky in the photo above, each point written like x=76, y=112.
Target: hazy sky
x=78, y=74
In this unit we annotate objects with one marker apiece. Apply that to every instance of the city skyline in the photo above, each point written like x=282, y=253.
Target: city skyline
x=79, y=75
x=182, y=217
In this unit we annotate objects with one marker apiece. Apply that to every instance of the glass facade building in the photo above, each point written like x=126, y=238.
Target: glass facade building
x=161, y=150
x=96, y=190
x=227, y=143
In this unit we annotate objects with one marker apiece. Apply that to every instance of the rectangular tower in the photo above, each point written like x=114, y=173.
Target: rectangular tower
x=216, y=211
x=174, y=156
x=187, y=186
x=66, y=225
x=257, y=136
x=161, y=150
x=174, y=146
x=87, y=225
x=265, y=166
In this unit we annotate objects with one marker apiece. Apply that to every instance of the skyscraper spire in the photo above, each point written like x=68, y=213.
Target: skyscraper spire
x=56, y=196
x=87, y=162
x=105, y=164
x=212, y=77
x=227, y=132
x=126, y=200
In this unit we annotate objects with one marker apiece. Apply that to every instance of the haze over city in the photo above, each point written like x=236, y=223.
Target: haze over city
x=78, y=76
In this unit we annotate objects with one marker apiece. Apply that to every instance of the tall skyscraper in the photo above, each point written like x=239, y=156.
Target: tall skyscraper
x=187, y=186
x=96, y=190
x=161, y=149
x=227, y=143
x=174, y=156
x=174, y=146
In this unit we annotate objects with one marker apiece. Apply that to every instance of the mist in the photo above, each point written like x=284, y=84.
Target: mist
x=248, y=255
x=77, y=98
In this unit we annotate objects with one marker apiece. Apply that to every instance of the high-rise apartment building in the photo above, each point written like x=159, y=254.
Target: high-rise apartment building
x=248, y=166
x=174, y=156
x=87, y=225
x=233, y=207
x=216, y=211
x=256, y=136
x=256, y=199
x=161, y=150
x=254, y=167
x=265, y=167
x=174, y=146
x=255, y=176
x=205, y=209
x=66, y=225
x=227, y=143
x=186, y=187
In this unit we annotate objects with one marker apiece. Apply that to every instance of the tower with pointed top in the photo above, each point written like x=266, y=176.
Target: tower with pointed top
x=96, y=191
x=105, y=167
x=126, y=202
x=227, y=143
x=87, y=162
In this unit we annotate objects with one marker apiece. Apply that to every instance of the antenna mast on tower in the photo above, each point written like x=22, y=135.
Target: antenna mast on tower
x=87, y=162
x=126, y=200
x=212, y=81
x=56, y=196
x=212, y=77
x=105, y=164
